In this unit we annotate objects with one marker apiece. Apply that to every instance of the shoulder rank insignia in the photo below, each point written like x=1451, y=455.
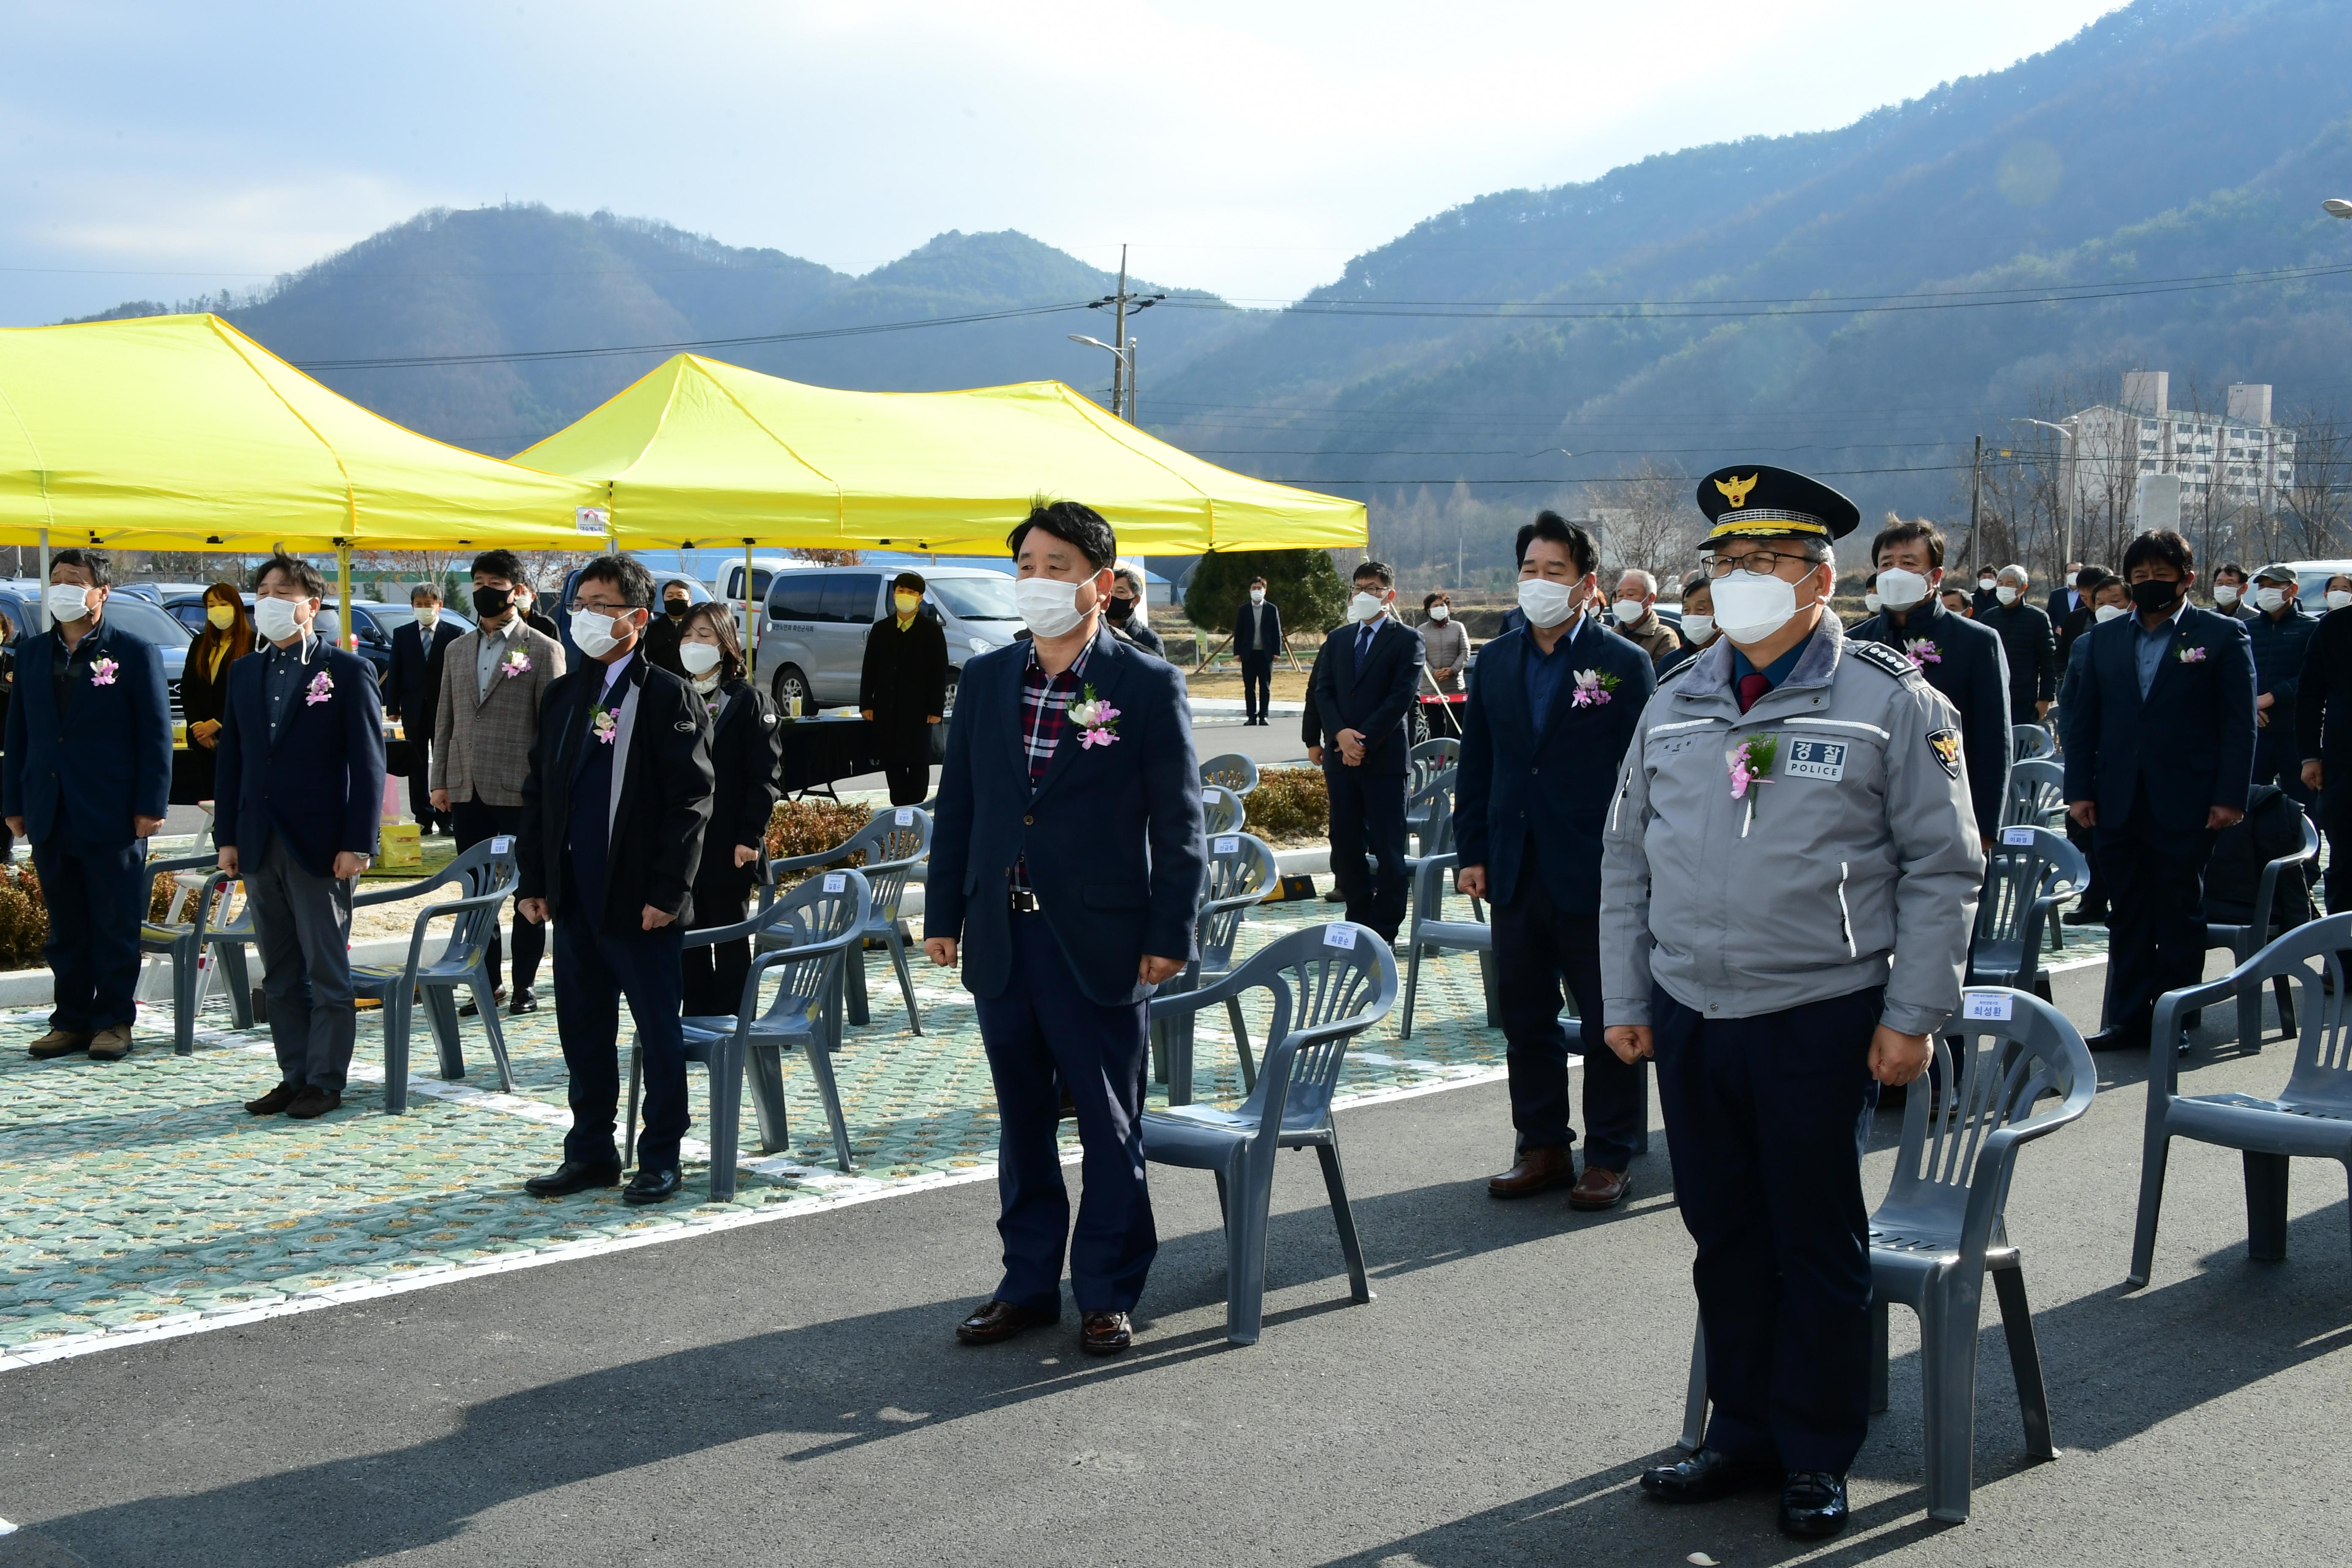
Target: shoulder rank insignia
x=1884, y=659
x=1945, y=744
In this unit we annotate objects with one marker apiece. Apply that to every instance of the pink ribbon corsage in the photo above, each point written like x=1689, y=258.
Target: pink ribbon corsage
x=322, y=687
x=1592, y=688
x=2192, y=656
x=1922, y=652
x=604, y=725
x=1750, y=761
x=102, y=672
x=1097, y=720
x=515, y=664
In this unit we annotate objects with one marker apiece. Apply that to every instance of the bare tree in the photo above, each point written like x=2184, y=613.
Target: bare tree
x=2315, y=506
x=826, y=557
x=1648, y=520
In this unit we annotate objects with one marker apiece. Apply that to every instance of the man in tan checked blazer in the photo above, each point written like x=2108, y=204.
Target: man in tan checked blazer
x=484, y=725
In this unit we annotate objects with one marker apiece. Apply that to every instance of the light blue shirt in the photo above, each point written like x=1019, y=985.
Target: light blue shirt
x=1544, y=671
x=2150, y=645
x=496, y=643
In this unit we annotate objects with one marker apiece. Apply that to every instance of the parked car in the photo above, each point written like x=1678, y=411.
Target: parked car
x=2311, y=582
x=131, y=612
x=561, y=611
x=813, y=628
x=371, y=620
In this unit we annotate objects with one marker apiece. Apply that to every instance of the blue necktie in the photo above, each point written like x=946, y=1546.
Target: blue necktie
x=1363, y=645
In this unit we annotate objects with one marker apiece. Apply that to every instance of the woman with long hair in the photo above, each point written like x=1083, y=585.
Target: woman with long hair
x=746, y=746
x=203, y=687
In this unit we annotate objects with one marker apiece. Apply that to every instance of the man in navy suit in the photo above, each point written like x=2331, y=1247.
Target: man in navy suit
x=1066, y=864
x=1257, y=638
x=1364, y=692
x=86, y=777
x=614, y=810
x=1543, y=735
x=2159, y=756
x=410, y=686
x=299, y=787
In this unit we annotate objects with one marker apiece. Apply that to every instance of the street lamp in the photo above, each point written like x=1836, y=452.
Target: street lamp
x=1125, y=361
x=2066, y=429
x=2337, y=206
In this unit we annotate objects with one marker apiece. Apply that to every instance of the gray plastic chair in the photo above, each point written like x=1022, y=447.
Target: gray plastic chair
x=2037, y=792
x=483, y=878
x=1428, y=931
x=2244, y=941
x=2311, y=1117
x=1425, y=766
x=1939, y=1229
x=818, y=921
x=1231, y=769
x=1328, y=984
x=1221, y=810
x=2029, y=741
x=894, y=845
x=183, y=943
x=2029, y=872
x=1239, y=872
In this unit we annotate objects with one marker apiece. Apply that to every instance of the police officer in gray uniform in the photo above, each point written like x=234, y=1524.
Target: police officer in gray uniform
x=1788, y=877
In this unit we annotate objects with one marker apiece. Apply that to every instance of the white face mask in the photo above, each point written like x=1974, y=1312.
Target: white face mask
x=1438, y=613
x=1048, y=606
x=1872, y=601
x=2224, y=594
x=1545, y=603
x=1985, y=584
x=1257, y=595
x=1751, y=608
x=273, y=619
x=2005, y=594
x=2106, y=612
x=592, y=630
x=1364, y=606
x=428, y=619
x=700, y=658
x=67, y=601
x=1899, y=589
x=2340, y=599
x=1698, y=626
x=2269, y=599
x=1628, y=611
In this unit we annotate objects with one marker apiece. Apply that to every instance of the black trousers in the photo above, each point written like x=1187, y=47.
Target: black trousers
x=420, y=783
x=1536, y=947
x=905, y=751
x=98, y=895
x=2336, y=821
x=1043, y=1034
x=714, y=974
x=592, y=973
x=1257, y=685
x=2155, y=914
x=472, y=821
x=2275, y=761
x=1763, y=1120
x=1367, y=819
x=2095, y=895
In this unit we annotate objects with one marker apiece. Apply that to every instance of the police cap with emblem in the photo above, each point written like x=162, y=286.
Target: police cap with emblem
x=1755, y=498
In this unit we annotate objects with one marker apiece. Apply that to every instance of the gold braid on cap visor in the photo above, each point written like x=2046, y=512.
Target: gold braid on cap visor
x=1767, y=521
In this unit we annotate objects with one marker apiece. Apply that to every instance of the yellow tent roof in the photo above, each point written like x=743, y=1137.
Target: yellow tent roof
x=178, y=432
x=698, y=452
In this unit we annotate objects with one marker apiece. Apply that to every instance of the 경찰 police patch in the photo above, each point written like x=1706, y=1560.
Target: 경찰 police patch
x=1945, y=744
x=1810, y=759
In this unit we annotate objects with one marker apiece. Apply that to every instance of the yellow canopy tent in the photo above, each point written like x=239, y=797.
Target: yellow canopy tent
x=698, y=452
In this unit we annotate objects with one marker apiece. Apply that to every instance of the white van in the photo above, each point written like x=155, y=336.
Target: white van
x=813, y=634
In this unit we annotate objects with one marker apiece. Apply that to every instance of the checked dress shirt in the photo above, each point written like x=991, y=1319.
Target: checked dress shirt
x=1044, y=717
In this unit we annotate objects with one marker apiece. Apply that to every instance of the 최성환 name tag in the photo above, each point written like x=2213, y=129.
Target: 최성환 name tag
x=1338, y=936
x=1229, y=846
x=2020, y=837
x=835, y=880
x=1991, y=1005
x=1815, y=760
x=905, y=817
x=502, y=845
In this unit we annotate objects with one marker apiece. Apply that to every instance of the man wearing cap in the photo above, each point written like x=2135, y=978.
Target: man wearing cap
x=2281, y=635
x=902, y=689
x=2030, y=646
x=1789, y=878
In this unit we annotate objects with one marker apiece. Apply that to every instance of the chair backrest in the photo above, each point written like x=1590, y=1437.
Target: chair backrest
x=1435, y=824
x=1328, y=983
x=2028, y=741
x=822, y=914
x=894, y=843
x=2312, y=956
x=477, y=871
x=2023, y=865
x=1951, y=1170
x=1430, y=758
x=1239, y=872
x=1223, y=808
x=2037, y=791
x=1233, y=769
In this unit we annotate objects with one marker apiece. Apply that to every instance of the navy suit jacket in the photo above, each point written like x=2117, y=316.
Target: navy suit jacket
x=1248, y=644
x=1970, y=668
x=1113, y=834
x=1555, y=785
x=406, y=692
x=320, y=782
x=2191, y=742
x=1375, y=701
x=106, y=758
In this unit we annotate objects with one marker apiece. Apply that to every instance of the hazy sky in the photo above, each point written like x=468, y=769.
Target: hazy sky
x=161, y=151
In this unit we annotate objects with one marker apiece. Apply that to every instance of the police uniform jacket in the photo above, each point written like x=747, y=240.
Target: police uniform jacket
x=1966, y=662
x=1858, y=867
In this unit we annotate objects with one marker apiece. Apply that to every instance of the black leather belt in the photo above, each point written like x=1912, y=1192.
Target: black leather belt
x=1024, y=902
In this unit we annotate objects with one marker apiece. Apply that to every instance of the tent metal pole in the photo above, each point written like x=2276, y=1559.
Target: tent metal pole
x=348, y=622
x=750, y=630
x=44, y=580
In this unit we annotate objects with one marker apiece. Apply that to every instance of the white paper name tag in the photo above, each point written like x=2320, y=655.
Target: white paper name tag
x=502, y=845
x=2020, y=837
x=1988, y=1004
x=1338, y=936
x=1229, y=846
x=1208, y=797
x=1815, y=760
x=835, y=880
x=905, y=817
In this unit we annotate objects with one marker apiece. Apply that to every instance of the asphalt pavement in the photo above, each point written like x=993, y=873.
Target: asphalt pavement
x=793, y=1391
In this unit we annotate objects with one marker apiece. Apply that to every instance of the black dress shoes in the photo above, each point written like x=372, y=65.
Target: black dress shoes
x=470, y=1010
x=276, y=1101
x=993, y=1323
x=310, y=1102
x=2084, y=917
x=1105, y=1333
x=2117, y=1040
x=1706, y=1475
x=652, y=1186
x=526, y=1000
x=572, y=1176
x=1812, y=1503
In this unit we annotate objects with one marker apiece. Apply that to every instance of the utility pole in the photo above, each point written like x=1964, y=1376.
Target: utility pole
x=1976, y=496
x=1121, y=346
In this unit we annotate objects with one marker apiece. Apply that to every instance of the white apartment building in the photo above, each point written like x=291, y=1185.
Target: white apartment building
x=2237, y=460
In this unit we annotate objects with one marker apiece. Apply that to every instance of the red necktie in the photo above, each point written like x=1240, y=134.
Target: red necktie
x=1752, y=686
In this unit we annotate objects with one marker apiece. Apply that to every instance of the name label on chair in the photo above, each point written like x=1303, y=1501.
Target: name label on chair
x=1338, y=936
x=834, y=881
x=1229, y=846
x=905, y=817
x=1815, y=760
x=1990, y=1004
x=502, y=845
x=1208, y=795
x=2020, y=837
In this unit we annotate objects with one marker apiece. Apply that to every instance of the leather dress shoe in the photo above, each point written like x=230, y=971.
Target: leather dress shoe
x=111, y=1045
x=470, y=1010
x=993, y=1323
x=1812, y=1503
x=1105, y=1333
x=57, y=1043
x=1598, y=1189
x=572, y=1176
x=652, y=1186
x=1706, y=1475
x=2117, y=1040
x=276, y=1101
x=2084, y=917
x=526, y=1000
x=310, y=1102
x=1545, y=1165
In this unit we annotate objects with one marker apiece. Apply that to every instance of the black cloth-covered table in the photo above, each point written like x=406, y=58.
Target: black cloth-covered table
x=819, y=751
